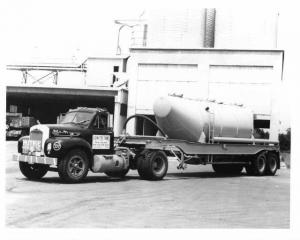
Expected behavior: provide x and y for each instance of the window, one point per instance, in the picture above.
(116, 68)
(100, 121)
(77, 118)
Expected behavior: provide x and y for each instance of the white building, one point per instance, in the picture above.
(236, 76)
(228, 56)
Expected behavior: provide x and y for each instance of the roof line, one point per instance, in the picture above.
(205, 49)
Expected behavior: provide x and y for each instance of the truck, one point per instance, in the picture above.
(18, 125)
(191, 131)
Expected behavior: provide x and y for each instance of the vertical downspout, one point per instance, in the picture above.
(209, 27)
(145, 33)
(276, 30)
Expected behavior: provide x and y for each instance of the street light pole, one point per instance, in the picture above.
(118, 52)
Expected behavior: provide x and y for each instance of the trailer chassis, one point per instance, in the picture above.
(207, 153)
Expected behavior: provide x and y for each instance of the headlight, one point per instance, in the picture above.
(49, 146)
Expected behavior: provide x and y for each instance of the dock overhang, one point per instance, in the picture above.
(56, 92)
(46, 103)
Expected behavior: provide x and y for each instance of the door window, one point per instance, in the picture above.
(100, 121)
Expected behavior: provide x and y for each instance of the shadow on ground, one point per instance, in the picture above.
(169, 177)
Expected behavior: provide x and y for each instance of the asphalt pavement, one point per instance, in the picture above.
(193, 198)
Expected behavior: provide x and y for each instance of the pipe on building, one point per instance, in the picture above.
(209, 31)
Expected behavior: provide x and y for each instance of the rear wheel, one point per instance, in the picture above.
(74, 166)
(258, 165)
(33, 171)
(271, 166)
(227, 168)
(152, 165)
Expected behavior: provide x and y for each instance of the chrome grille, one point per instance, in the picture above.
(36, 135)
(34, 143)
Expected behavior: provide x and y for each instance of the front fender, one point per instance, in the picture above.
(60, 146)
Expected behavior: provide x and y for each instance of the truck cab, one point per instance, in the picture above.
(89, 125)
(70, 146)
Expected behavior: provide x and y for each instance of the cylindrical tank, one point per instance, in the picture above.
(196, 121)
(108, 163)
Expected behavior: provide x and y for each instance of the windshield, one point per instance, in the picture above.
(83, 118)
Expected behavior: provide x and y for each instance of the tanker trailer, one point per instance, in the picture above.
(205, 132)
(203, 121)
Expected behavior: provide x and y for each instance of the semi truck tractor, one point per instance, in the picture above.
(191, 131)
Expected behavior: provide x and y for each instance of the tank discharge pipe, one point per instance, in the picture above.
(146, 118)
(244, 140)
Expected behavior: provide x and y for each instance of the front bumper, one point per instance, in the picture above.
(34, 159)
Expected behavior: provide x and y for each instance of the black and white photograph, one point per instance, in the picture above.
(148, 117)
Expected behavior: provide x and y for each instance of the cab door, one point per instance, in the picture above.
(102, 137)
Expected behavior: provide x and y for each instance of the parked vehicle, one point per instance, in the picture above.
(193, 133)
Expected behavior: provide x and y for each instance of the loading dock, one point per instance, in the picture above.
(47, 103)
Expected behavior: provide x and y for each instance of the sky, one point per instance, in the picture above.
(62, 29)
(73, 30)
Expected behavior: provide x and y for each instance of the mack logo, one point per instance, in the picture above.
(56, 146)
(60, 132)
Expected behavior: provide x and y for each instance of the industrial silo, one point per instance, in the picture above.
(246, 29)
(171, 29)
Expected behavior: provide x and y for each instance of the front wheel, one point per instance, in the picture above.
(74, 166)
(152, 165)
(33, 171)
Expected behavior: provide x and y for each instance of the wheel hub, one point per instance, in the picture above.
(76, 166)
(158, 165)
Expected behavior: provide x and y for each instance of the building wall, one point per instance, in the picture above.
(207, 27)
(176, 28)
(231, 76)
(100, 71)
(171, 28)
(243, 28)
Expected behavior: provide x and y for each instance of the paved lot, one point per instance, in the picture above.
(195, 198)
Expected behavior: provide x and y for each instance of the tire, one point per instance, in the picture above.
(74, 166)
(33, 171)
(119, 174)
(271, 166)
(152, 165)
(258, 165)
(227, 168)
